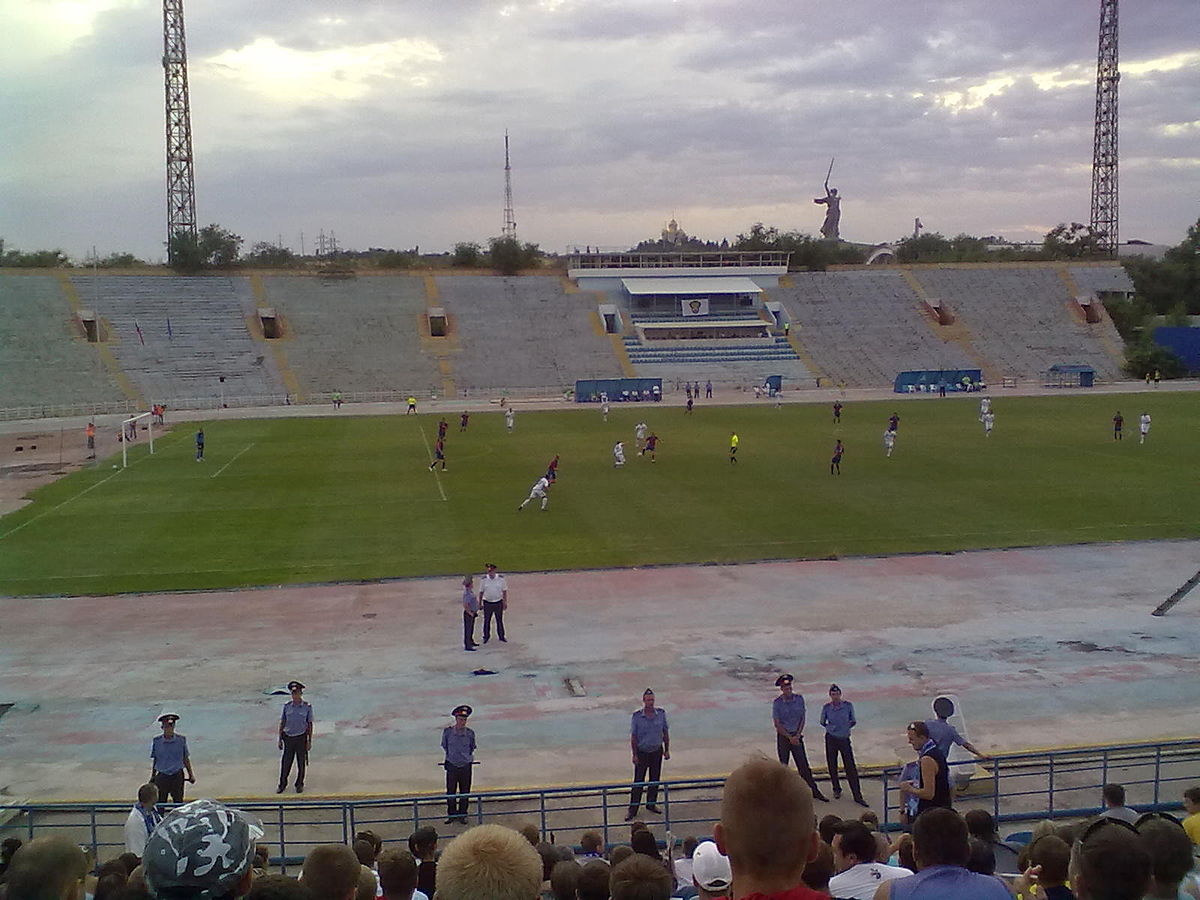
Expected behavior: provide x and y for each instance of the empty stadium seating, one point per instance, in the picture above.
(353, 334)
(863, 327)
(1021, 320)
(524, 332)
(44, 358)
(206, 340)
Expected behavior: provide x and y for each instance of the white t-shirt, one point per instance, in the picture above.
(1145, 420)
(860, 882)
(135, 832)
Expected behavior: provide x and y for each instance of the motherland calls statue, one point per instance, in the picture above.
(833, 209)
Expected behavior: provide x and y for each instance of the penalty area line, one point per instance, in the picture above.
(437, 478)
(61, 505)
(232, 461)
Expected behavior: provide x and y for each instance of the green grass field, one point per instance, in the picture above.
(346, 498)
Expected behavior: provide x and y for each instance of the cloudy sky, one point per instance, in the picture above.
(384, 121)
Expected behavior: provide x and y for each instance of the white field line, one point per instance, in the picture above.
(232, 461)
(61, 505)
(429, 452)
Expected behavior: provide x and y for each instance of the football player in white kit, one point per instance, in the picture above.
(538, 491)
(618, 454)
(985, 407)
(1144, 426)
(989, 419)
(639, 432)
(889, 441)
(510, 414)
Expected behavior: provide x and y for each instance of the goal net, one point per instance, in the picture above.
(129, 434)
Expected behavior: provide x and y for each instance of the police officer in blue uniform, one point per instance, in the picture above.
(295, 737)
(169, 759)
(458, 741)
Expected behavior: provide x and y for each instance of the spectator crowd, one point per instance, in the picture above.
(767, 845)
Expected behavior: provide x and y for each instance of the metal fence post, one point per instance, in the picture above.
(282, 842)
(1050, 785)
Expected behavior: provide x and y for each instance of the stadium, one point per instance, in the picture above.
(215, 484)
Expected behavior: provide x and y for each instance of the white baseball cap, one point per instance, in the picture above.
(710, 868)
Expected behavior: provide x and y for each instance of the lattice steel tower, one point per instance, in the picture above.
(181, 185)
(1105, 220)
(510, 219)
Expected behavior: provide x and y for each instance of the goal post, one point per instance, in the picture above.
(129, 426)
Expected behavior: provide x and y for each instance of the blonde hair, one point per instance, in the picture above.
(766, 819)
(489, 861)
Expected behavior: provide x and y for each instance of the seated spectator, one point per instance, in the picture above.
(564, 879)
(1113, 796)
(980, 858)
(398, 875)
(1051, 856)
(767, 831)
(817, 873)
(858, 873)
(371, 837)
(278, 887)
(489, 861)
(591, 844)
(142, 818)
(365, 851)
(643, 842)
(131, 861)
(711, 873)
(262, 860)
(1191, 805)
(619, 854)
(940, 844)
(640, 878)
(883, 847)
(368, 885)
(904, 853)
(110, 885)
(331, 872)
(980, 824)
(683, 866)
(530, 833)
(1108, 862)
(827, 827)
(181, 861)
(549, 856)
(422, 844)
(593, 880)
(8, 847)
(1170, 852)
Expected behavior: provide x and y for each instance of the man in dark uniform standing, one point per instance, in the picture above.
(169, 760)
(295, 737)
(788, 714)
(458, 742)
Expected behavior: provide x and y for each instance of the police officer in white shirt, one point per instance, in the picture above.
(493, 591)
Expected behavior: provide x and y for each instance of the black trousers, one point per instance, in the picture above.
(493, 610)
(294, 748)
(834, 746)
(648, 763)
(170, 787)
(468, 629)
(786, 748)
(458, 785)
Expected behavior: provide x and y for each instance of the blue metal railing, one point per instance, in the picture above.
(1016, 787)
(1066, 783)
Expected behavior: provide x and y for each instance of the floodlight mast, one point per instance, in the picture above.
(1105, 220)
(181, 186)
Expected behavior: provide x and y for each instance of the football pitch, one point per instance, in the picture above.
(346, 497)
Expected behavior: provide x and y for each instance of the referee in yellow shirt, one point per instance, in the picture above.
(733, 445)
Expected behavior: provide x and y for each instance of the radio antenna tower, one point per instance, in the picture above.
(181, 185)
(1104, 150)
(510, 219)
